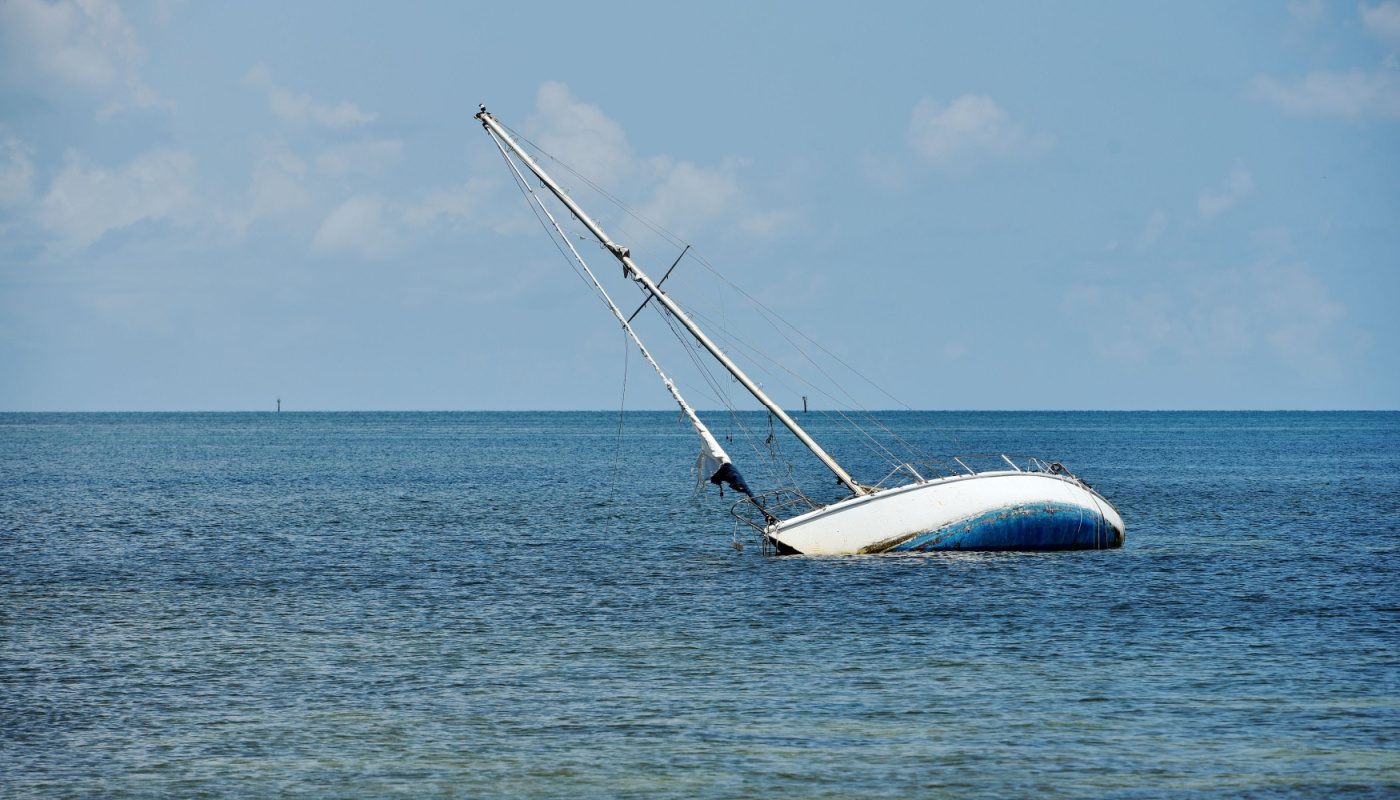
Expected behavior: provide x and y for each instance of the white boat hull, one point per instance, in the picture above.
(987, 511)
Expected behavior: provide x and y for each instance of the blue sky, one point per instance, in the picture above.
(1002, 206)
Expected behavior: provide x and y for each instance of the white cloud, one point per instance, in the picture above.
(1353, 95)
(368, 157)
(581, 135)
(300, 187)
(1237, 186)
(1356, 94)
(356, 227)
(680, 195)
(87, 44)
(84, 203)
(16, 173)
(284, 185)
(1383, 22)
(688, 195)
(300, 109)
(972, 128)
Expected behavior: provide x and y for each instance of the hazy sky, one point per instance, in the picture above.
(1005, 206)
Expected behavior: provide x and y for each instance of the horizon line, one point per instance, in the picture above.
(704, 411)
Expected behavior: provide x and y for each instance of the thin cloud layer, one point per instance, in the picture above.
(1238, 185)
(1383, 22)
(16, 173)
(1279, 307)
(357, 227)
(301, 109)
(454, 205)
(278, 186)
(333, 194)
(1152, 231)
(1307, 12)
(366, 157)
(580, 134)
(1355, 94)
(968, 130)
(87, 46)
(85, 202)
(1351, 95)
(679, 194)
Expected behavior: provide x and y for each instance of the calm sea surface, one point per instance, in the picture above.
(525, 605)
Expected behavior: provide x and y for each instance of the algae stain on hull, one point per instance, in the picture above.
(1033, 527)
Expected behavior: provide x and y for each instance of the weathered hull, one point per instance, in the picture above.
(987, 511)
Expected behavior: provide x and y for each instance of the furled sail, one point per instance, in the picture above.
(713, 464)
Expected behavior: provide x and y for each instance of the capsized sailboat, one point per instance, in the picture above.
(1028, 504)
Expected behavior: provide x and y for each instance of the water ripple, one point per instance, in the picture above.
(452, 605)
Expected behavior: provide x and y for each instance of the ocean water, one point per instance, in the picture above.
(527, 605)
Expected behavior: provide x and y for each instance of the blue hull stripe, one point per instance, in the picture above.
(1039, 526)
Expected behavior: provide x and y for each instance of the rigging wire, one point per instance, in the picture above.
(702, 367)
(719, 395)
(769, 316)
(621, 414)
(651, 225)
(554, 234)
(767, 312)
(774, 320)
(758, 356)
(706, 436)
(676, 240)
(734, 343)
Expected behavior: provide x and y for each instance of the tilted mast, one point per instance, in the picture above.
(631, 270)
(713, 464)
